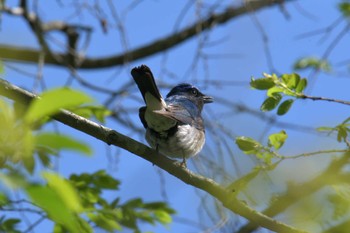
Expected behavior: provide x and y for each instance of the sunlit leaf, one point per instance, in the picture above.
(325, 128)
(274, 90)
(301, 85)
(3, 199)
(277, 139)
(56, 208)
(247, 144)
(313, 63)
(29, 163)
(16, 139)
(262, 83)
(291, 80)
(64, 190)
(104, 181)
(53, 100)
(44, 155)
(271, 102)
(104, 222)
(342, 133)
(163, 216)
(61, 142)
(284, 107)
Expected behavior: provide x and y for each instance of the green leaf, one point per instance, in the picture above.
(16, 139)
(342, 133)
(50, 201)
(271, 102)
(274, 90)
(262, 83)
(64, 190)
(104, 181)
(29, 163)
(277, 139)
(301, 85)
(325, 128)
(44, 155)
(10, 225)
(344, 8)
(163, 217)
(61, 142)
(52, 101)
(247, 144)
(284, 107)
(313, 63)
(3, 199)
(291, 80)
(105, 222)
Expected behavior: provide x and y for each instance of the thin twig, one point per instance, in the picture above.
(303, 96)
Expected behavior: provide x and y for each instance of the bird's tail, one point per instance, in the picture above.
(145, 81)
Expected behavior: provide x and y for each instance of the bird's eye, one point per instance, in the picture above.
(194, 91)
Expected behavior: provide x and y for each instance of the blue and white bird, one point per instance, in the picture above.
(174, 125)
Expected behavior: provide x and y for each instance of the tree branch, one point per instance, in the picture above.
(9, 52)
(314, 98)
(112, 137)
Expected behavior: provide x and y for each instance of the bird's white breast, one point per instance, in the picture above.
(186, 142)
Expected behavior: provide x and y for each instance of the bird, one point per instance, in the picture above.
(174, 125)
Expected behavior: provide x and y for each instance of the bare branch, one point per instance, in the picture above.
(32, 55)
(303, 96)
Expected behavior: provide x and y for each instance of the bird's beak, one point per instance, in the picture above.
(207, 99)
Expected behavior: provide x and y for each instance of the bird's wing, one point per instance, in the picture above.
(142, 112)
(181, 115)
(176, 112)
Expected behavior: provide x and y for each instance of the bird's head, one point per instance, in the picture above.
(192, 93)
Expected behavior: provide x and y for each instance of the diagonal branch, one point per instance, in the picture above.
(32, 55)
(112, 137)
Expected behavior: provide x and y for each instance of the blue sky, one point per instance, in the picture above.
(238, 54)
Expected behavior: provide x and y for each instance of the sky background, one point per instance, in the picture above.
(237, 54)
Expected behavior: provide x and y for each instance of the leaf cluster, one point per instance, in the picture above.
(276, 88)
(264, 153)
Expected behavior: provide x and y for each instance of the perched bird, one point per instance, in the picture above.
(174, 125)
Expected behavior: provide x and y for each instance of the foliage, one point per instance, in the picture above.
(312, 63)
(342, 130)
(75, 204)
(264, 153)
(277, 87)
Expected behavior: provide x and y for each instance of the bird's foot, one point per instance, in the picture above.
(183, 163)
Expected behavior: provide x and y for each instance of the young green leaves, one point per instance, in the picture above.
(51, 102)
(278, 87)
(342, 131)
(265, 153)
(312, 63)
